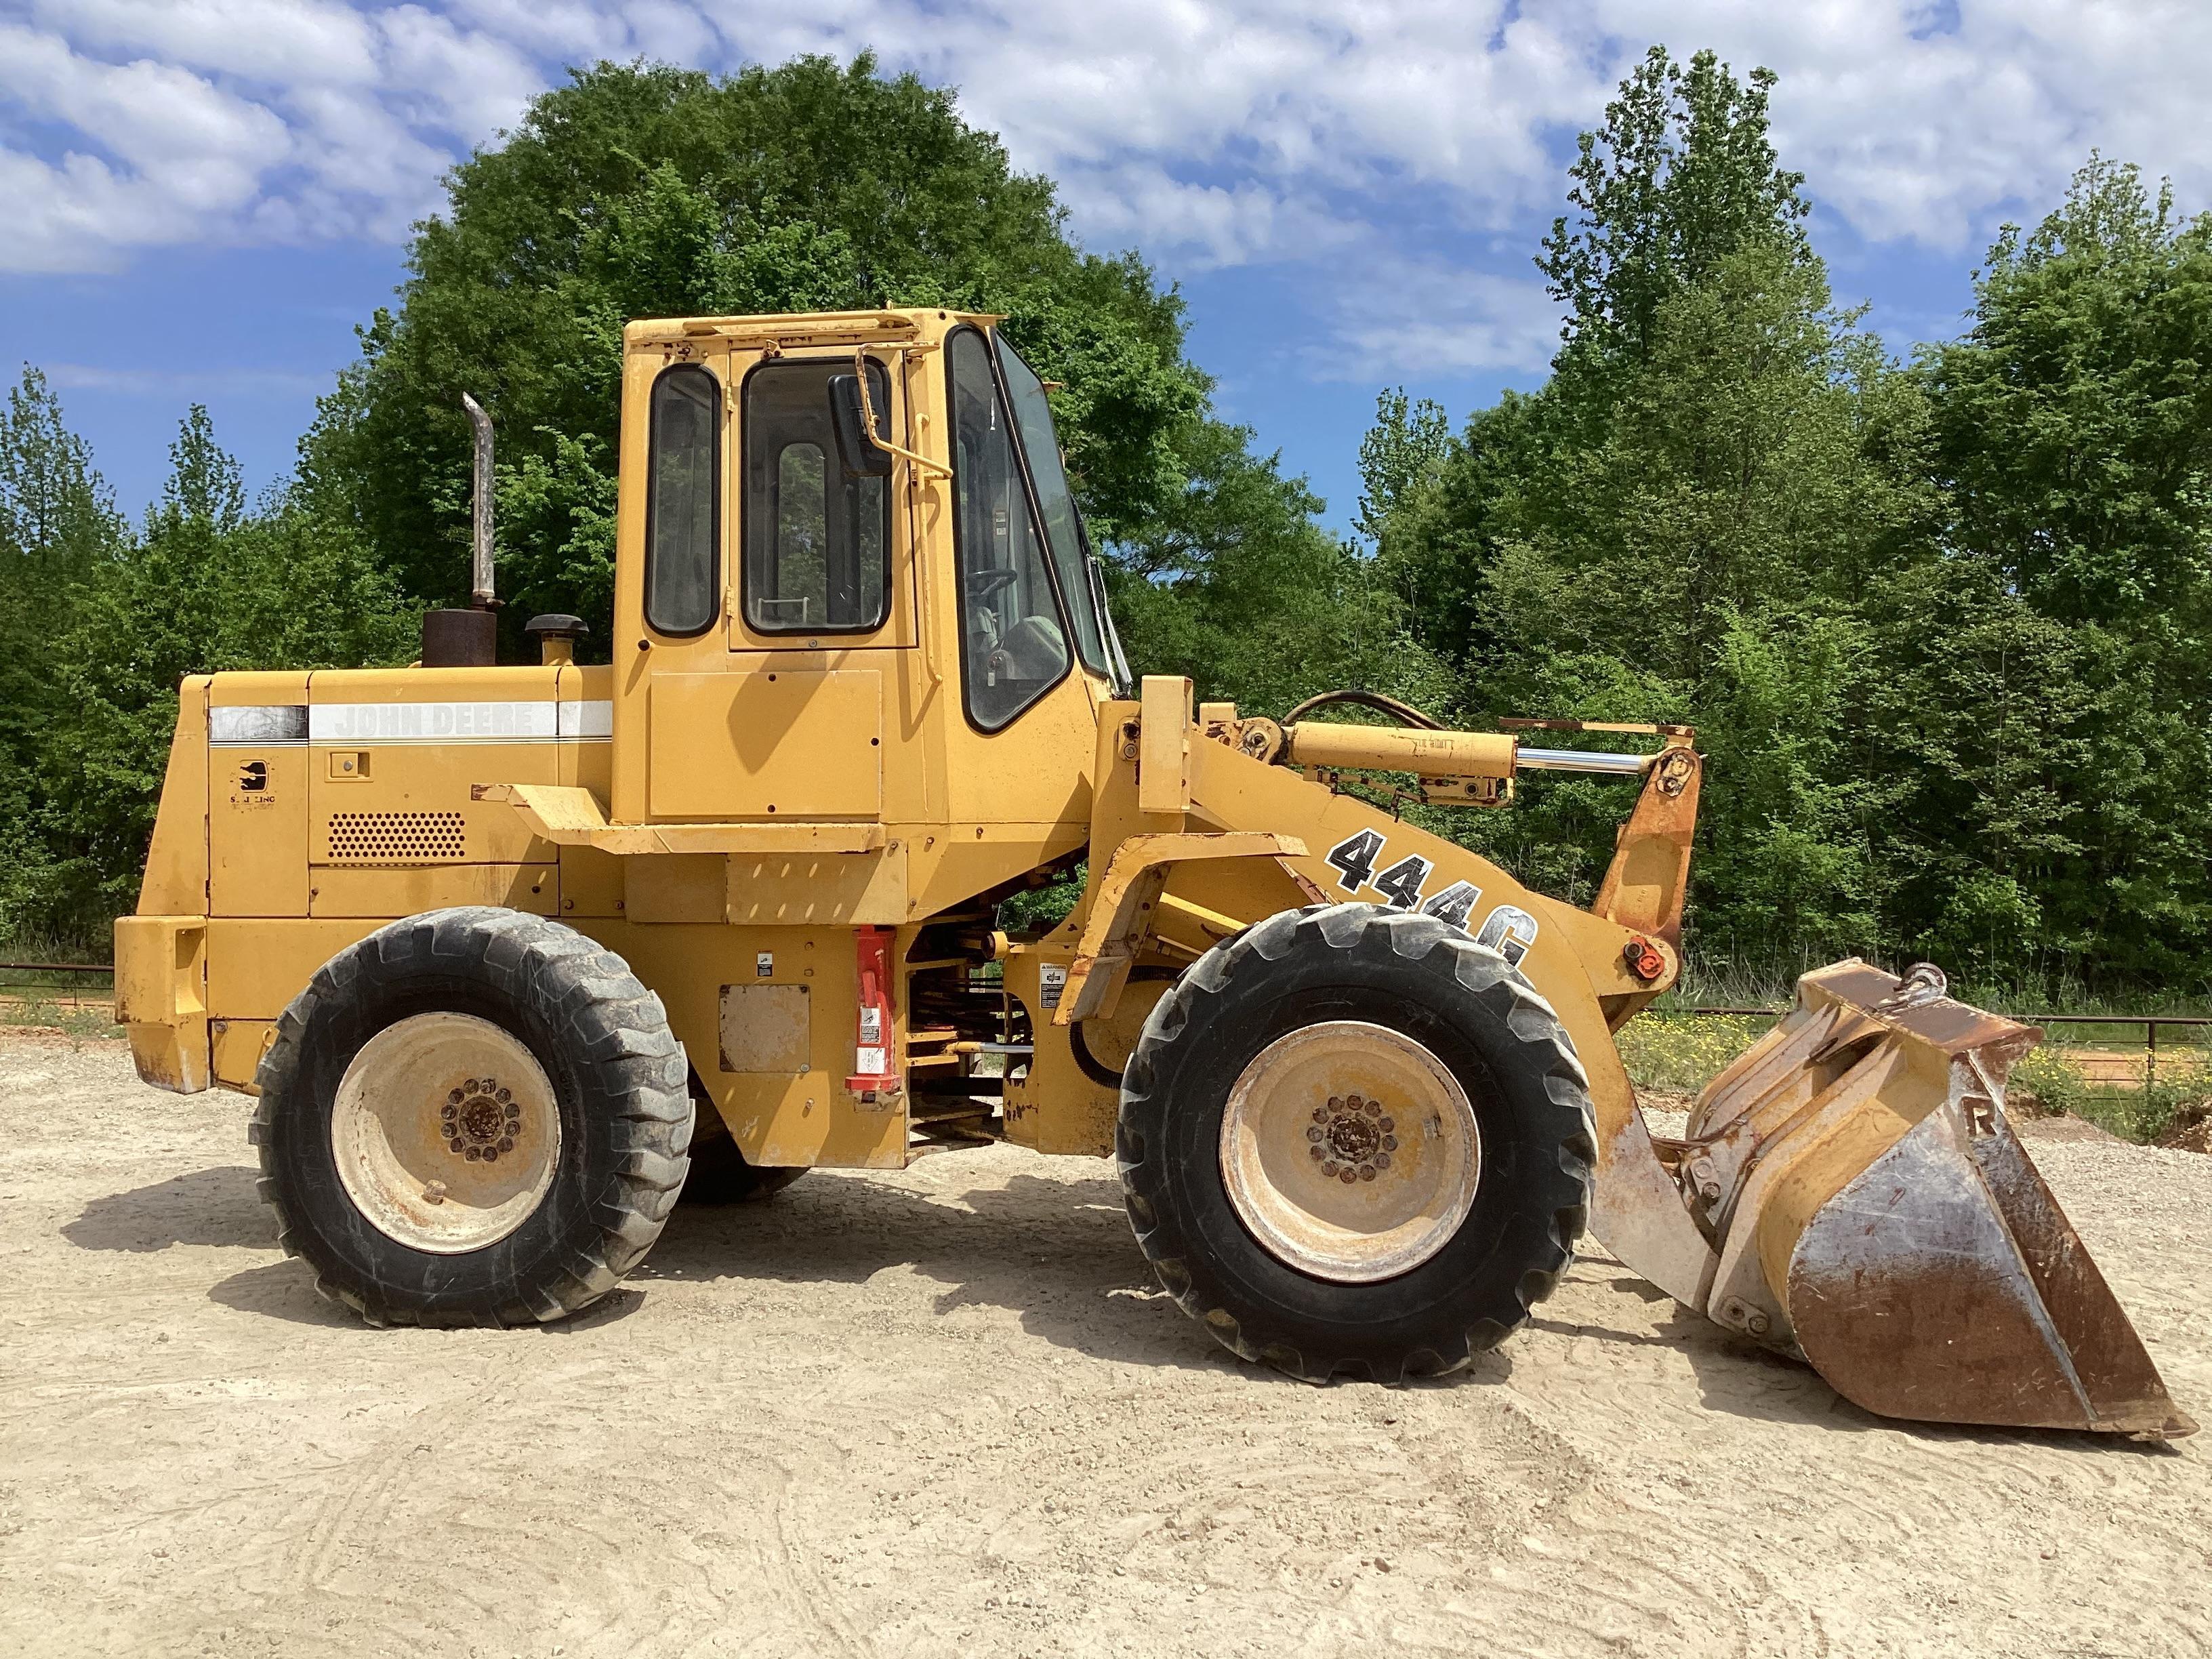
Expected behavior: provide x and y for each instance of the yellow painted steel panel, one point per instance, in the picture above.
(257, 795)
(676, 887)
(767, 1029)
(793, 890)
(256, 968)
(238, 1046)
(777, 743)
(389, 893)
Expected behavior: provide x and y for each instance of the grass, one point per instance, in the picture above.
(1674, 1053)
(43, 1013)
(1668, 1050)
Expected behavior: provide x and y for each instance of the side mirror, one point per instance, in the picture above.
(858, 448)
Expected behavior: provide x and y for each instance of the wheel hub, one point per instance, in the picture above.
(1352, 1138)
(445, 1132)
(1349, 1152)
(480, 1120)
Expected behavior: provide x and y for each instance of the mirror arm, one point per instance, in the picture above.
(868, 423)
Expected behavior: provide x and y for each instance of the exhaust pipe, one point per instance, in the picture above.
(470, 639)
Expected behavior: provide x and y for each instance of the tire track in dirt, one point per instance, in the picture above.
(938, 1413)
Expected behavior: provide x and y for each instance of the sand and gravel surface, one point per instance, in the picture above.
(945, 1412)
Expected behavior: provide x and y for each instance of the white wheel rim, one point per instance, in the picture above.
(446, 1133)
(1349, 1152)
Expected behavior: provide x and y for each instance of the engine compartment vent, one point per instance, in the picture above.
(398, 837)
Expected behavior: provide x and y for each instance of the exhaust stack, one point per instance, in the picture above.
(470, 639)
(481, 514)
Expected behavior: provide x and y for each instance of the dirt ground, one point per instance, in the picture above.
(944, 1412)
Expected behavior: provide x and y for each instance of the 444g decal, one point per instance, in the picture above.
(1359, 862)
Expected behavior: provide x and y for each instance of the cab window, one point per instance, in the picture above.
(683, 512)
(818, 540)
(1063, 528)
(1013, 647)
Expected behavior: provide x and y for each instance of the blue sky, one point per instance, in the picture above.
(199, 199)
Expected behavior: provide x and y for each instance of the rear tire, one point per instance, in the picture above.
(1462, 1048)
(517, 1190)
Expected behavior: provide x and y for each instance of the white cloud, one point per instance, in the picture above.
(1221, 133)
(1432, 322)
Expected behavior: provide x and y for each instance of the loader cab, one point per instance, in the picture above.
(824, 620)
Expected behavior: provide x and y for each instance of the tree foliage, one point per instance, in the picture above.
(645, 190)
(1941, 625)
(204, 584)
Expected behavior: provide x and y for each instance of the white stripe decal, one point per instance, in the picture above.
(270, 725)
(459, 722)
(588, 721)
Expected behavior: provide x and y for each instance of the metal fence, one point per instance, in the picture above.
(73, 974)
(2149, 1024)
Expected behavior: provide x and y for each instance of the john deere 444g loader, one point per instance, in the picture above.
(513, 954)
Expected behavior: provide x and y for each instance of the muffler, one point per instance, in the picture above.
(1871, 1212)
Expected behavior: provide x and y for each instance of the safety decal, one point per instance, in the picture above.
(1052, 979)
(1358, 860)
(1454, 904)
(1510, 931)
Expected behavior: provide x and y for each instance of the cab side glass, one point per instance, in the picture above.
(1013, 647)
(682, 531)
(1063, 528)
(817, 535)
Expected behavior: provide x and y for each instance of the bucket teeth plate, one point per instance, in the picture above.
(1871, 1208)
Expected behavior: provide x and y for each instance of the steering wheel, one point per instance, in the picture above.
(989, 584)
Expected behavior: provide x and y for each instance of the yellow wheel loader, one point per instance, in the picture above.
(512, 956)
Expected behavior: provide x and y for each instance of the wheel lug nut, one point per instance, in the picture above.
(454, 1098)
(447, 1112)
(1316, 1150)
(1367, 1172)
(506, 1143)
(1389, 1143)
(491, 1154)
(1387, 1126)
(1347, 1176)
(1382, 1160)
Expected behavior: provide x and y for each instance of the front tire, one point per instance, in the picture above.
(474, 1116)
(1353, 1140)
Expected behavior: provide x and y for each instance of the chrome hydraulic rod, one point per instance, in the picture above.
(1596, 761)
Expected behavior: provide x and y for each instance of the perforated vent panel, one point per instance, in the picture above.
(398, 837)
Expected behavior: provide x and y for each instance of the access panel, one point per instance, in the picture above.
(770, 743)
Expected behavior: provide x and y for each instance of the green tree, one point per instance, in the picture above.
(1401, 453)
(2055, 648)
(206, 585)
(648, 191)
(58, 526)
(1682, 174)
(1235, 584)
(1677, 526)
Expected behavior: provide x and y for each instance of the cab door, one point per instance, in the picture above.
(790, 722)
